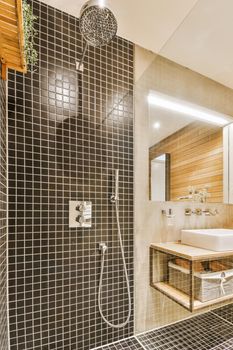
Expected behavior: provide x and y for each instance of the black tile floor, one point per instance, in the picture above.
(226, 312)
(210, 331)
(198, 333)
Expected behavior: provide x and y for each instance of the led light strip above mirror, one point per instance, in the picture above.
(189, 109)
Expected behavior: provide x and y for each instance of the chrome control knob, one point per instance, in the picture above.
(80, 219)
(81, 208)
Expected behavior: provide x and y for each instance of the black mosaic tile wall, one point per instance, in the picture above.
(3, 218)
(67, 133)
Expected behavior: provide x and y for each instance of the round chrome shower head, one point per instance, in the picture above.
(98, 24)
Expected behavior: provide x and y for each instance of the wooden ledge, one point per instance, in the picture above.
(12, 36)
(189, 252)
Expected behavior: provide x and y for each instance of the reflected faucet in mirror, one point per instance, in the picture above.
(196, 195)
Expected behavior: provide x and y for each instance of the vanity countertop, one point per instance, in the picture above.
(189, 252)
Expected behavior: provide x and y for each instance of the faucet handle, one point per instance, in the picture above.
(188, 212)
(81, 207)
(198, 211)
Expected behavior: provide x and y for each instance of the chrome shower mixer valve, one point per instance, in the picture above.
(80, 214)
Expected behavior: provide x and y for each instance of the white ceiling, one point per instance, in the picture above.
(148, 23)
(194, 33)
(204, 42)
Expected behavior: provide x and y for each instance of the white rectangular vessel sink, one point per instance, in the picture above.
(219, 240)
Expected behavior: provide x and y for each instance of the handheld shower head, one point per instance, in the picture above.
(115, 196)
(98, 24)
(103, 248)
(117, 184)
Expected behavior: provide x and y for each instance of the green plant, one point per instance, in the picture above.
(30, 33)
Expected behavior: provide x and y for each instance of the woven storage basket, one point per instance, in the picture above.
(207, 285)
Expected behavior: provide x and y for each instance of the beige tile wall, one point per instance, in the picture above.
(152, 309)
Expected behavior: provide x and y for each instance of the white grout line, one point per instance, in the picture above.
(223, 344)
(119, 341)
(221, 318)
(171, 324)
(7, 218)
(113, 343)
(140, 343)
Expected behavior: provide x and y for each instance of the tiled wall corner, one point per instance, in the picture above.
(3, 218)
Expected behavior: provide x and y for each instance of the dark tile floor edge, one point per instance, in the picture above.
(227, 345)
(130, 342)
(225, 313)
(214, 311)
(206, 331)
(170, 324)
(138, 340)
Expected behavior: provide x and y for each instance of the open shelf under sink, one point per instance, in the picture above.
(184, 299)
(185, 293)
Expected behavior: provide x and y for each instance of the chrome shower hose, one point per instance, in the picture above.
(120, 325)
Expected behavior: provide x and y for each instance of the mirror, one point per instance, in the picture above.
(160, 177)
(189, 149)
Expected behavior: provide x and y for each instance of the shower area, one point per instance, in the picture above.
(70, 127)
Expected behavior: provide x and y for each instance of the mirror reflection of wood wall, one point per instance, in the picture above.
(196, 159)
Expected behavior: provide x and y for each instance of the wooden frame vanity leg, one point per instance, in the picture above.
(151, 272)
(191, 301)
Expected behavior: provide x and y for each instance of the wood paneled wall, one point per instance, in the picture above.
(196, 153)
